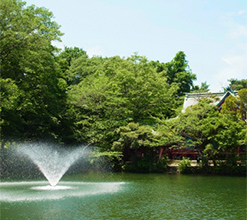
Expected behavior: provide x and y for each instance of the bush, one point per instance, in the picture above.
(184, 164)
(146, 165)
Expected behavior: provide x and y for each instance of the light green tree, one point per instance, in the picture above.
(118, 92)
(213, 132)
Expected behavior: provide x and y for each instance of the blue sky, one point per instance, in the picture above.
(212, 33)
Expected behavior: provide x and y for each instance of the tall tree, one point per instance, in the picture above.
(179, 72)
(121, 91)
(69, 54)
(238, 84)
(28, 59)
(83, 66)
(203, 88)
(10, 122)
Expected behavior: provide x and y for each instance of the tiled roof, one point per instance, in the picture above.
(193, 98)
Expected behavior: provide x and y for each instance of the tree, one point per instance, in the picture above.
(118, 92)
(28, 61)
(81, 67)
(142, 140)
(10, 122)
(179, 72)
(203, 88)
(236, 106)
(242, 103)
(135, 136)
(238, 84)
(212, 131)
(68, 54)
(99, 109)
(26, 36)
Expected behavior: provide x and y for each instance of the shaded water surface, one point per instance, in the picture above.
(127, 196)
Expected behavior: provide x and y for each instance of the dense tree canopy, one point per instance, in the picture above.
(121, 91)
(68, 54)
(29, 63)
(177, 72)
(210, 130)
(111, 102)
(236, 106)
(238, 84)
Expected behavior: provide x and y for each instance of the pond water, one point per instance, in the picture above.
(126, 196)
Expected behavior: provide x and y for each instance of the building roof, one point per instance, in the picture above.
(193, 98)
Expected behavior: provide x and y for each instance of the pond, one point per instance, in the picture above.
(126, 196)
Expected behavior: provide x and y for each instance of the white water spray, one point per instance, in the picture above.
(52, 161)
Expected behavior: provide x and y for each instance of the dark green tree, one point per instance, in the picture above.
(179, 72)
(142, 140)
(238, 84)
(10, 122)
(68, 54)
(28, 61)
(204, 87)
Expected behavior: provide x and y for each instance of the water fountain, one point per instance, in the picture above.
(53, 162)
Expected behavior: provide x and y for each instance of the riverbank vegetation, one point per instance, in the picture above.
(113, 103)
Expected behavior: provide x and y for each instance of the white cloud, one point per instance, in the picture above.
(242, 12)
(235, 65)
(232, 66)
(234, 60)
(238, 31)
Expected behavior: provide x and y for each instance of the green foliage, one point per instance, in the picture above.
(116, 92)
(10, 121)
(238, 84)
(210, 151)
(28, 60)
(230, 133)
(177, 72)
(144, 139)
(83, 67)
(184, 164)
(242, 103)
(236, 107)
(105, 160)
(26, 36)
(234, 111)
(168, 134)
(203, 88)
(199, 122)
(68, 55)
(210, 130)
(146, 164)
(135, 136)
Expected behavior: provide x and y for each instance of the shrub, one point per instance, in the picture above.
(184, 164)
(146, 165)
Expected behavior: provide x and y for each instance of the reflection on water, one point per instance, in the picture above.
(128, 196)
(51, 188)
(33, 191)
